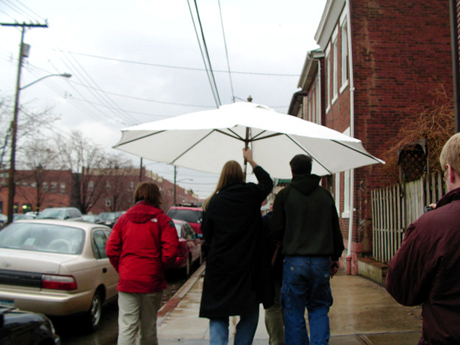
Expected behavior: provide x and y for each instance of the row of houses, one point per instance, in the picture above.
(37, 190)
(379, 62)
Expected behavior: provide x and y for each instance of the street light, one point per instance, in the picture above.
(14, 129)
(175, 184)
(65, 75)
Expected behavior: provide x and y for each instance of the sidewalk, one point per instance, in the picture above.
(362, 313)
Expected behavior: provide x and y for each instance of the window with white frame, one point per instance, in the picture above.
(318, 99)
(346, 195)
(327, 61)
(344, 53)
(91, 185)
(63, 187)
(335, 67)
(337, 192)
(313, 104)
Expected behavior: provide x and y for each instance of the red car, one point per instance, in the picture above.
(189, 214)
(189, 247)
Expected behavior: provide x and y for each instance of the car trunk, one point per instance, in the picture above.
(23, 269)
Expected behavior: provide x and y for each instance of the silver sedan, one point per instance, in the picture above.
(57, 268)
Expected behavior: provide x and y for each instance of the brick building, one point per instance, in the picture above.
(377, 61)
(41, 189)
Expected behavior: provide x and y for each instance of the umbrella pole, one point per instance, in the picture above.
(246, 145)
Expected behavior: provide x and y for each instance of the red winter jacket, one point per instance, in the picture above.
(142, 242)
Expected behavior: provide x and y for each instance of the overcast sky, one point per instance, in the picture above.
(139, 61)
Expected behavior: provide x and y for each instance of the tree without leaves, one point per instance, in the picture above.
(30, 125)
(432, 122)
(89, 167)
(121, 182)
(39, 158)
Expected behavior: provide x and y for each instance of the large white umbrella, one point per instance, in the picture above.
(206, 140)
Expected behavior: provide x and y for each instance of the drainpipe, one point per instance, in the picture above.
(455, 66)
(352, 134)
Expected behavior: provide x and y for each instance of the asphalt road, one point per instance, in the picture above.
(71, 333)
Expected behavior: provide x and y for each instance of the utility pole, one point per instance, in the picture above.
(14, 125)
(175, 187)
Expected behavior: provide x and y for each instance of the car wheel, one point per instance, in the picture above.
(93, 317)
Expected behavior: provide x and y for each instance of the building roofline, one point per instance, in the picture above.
(329, 19)
(309, 68)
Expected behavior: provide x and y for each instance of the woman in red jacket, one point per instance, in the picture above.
(143, 241)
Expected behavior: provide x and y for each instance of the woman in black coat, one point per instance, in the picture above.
(232, 229)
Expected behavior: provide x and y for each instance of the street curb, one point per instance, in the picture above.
(166, 309)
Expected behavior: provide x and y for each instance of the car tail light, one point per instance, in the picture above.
(58, 282)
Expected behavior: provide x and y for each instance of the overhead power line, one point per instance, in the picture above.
(173, 67)
(207, 54)
(213, 89)
(226, 52)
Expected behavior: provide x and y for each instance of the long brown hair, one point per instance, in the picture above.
(231, 173)
(149, 192)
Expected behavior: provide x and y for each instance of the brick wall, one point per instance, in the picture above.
(401, 52)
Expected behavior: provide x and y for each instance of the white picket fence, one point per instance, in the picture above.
(394, 208)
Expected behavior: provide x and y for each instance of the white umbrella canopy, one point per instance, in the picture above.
(206, 140)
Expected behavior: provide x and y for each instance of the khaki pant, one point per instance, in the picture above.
(138, 315)
(274, 319)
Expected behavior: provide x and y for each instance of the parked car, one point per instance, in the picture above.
(110, 218)
(189, 251)
(3, 220)
(57, 268)
(91, 218)
(21, 216)
(189, 214)
(32, 214)
(23, 327)
(64, 213)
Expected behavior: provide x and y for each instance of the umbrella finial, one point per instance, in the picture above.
(249, 98)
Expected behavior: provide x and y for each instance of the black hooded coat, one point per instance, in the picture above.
(236, 272)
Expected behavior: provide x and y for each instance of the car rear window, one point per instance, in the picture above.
(51, 214)
(190, 216)
(43, 238)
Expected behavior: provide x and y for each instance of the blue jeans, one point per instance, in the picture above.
(306, 285)
(245, 329)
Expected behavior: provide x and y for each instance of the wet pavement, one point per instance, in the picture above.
(362, 313)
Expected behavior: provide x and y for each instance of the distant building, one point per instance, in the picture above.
(40, 189)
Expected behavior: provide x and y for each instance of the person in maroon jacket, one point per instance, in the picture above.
(142, 243)
(425, 270)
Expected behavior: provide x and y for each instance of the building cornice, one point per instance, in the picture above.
(329, 20)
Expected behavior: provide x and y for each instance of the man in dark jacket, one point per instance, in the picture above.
(306, 220)
(426, 267)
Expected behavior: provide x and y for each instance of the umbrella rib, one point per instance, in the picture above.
(255, 138)
(359, 151)
(235, 136)
(307, 152)
(266, 137)
(191, 147)
(139, 138)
